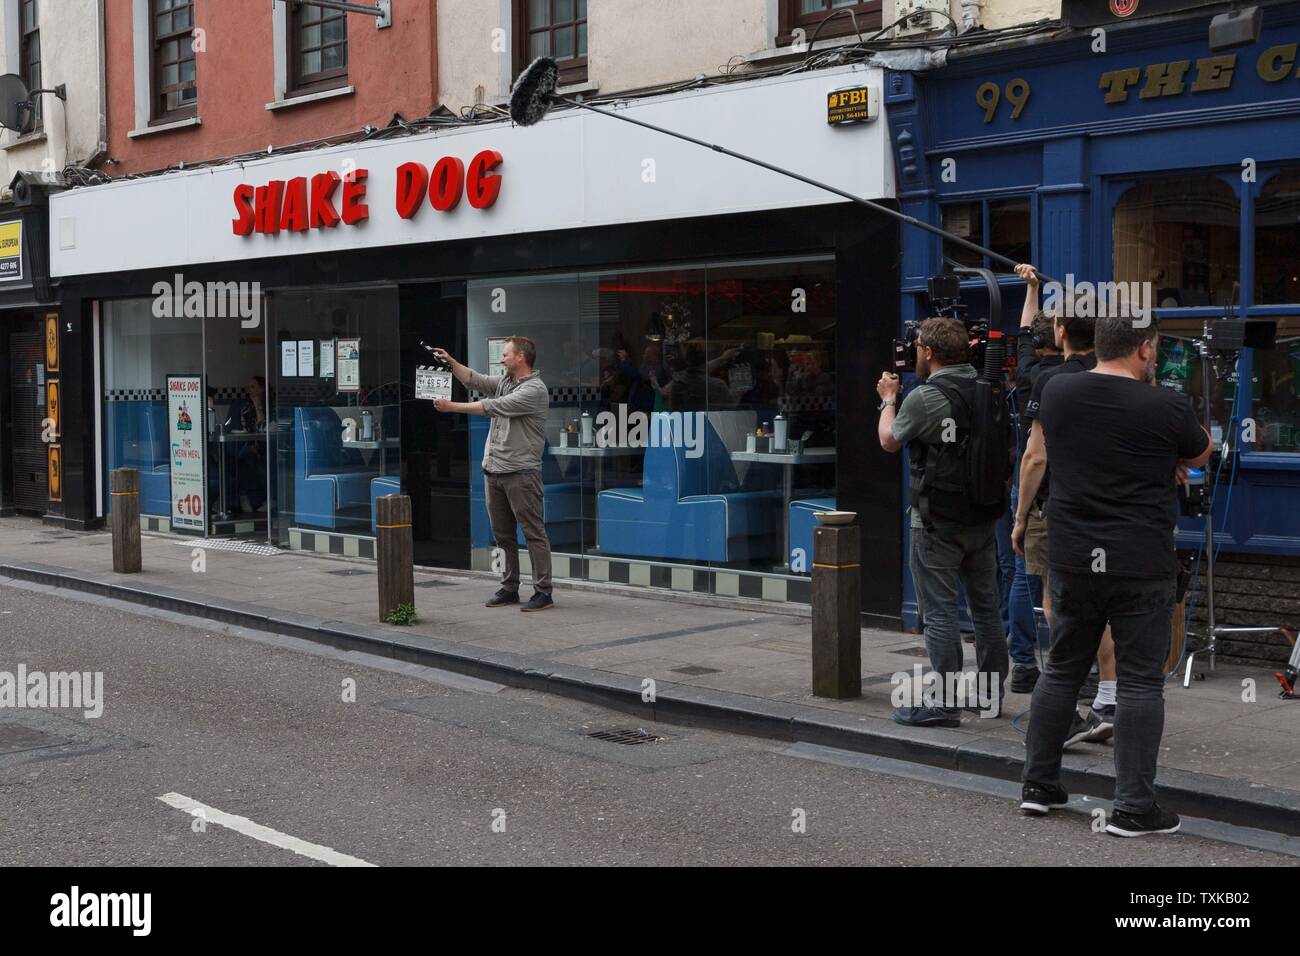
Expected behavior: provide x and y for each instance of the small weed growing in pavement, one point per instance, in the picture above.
(403, 614)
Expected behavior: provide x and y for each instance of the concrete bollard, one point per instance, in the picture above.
(124, 488)
(836, 606)
(394, 553)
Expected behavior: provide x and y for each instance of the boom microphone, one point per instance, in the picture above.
(534, 93)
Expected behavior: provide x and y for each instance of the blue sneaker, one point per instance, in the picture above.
(927, 717)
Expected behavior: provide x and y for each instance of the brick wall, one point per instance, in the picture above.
(1251, 591)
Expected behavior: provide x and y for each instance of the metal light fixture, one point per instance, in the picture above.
(1236, 28)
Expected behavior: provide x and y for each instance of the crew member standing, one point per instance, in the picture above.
(517, 403)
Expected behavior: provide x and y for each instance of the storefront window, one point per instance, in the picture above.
(660, 382)
(335, 403)
(1182, 235)
(139, 351)
(1275, 390)
(1277, 240)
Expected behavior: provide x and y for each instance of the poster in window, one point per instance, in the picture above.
(347, 361)
(306, 358)
(11, 250)
(288, 359)
(326, 358)
(496, 350)
(185, 432)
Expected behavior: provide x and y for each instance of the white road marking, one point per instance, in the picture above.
(258, 832)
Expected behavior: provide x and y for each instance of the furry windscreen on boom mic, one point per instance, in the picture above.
(530, 97)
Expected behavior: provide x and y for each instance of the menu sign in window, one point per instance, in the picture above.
(185, 407)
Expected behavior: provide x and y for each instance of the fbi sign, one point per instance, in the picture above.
(852, 104)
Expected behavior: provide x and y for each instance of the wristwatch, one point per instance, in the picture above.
(887, 401)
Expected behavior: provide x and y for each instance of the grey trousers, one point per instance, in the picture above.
(514, 500)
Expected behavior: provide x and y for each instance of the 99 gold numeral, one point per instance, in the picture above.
(988, 95)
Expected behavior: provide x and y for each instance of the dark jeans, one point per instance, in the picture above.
(1026, 593)
(1139, 612)
(941, 559)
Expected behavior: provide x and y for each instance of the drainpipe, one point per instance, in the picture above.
(970, 14)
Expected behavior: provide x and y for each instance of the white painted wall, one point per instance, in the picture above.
(70, 54)
(574, 169)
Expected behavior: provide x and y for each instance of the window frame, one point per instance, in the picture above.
(300, 84)
(986, 223)
(573, 70)
(158, 114)
(25, 40)
(869, 13)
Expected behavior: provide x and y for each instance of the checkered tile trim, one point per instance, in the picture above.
(158, 394)
(785, 589)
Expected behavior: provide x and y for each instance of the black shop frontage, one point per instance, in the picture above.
(281, 344)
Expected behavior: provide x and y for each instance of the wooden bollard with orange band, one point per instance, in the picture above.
(124, 506)
(836, 606)
(394, 553)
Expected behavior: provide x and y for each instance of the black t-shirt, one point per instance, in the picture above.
(1114, 444)
(1075, 363)
(1029, 365)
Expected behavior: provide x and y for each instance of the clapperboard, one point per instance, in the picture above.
(431, 383)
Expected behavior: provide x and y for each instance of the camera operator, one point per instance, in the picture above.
(1073, 331)
(949, 544)
(1036, 351)
(1118, 446)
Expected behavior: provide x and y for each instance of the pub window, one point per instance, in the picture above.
(554, 28)
(1183, 236)
(318, 47)
(1275, 390)
(176, 94)
(1277, 240)
(808, 16)
(30, 53)
(1009, 231)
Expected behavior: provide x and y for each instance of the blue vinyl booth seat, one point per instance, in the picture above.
(331, 484)
(381, 487)
(802, 524)
(561, 499)
(140, 441)
(690, 509)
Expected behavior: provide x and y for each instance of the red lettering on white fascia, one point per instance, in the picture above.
(297, 205)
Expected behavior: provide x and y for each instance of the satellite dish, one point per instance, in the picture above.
(16, 111)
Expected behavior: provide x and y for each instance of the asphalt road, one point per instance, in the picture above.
(423, 769)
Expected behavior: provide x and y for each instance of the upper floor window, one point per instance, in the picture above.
(176, 94)
(318, 47)
(29, 54)
(554, 28)
(808, 15)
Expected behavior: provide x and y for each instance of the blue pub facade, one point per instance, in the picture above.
(1132, 152)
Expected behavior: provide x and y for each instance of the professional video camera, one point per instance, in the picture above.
(988, 351)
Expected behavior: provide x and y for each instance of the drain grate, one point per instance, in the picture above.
(695, 670)
(626, 735)
(349, 572)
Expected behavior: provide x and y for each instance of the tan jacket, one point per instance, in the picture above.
(518, 412)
